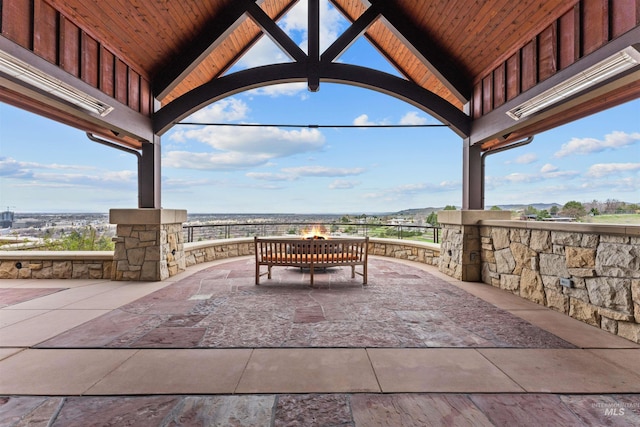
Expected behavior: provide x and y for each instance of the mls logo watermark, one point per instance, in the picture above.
(612, 412)
(618, 409)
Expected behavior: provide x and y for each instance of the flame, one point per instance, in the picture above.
(315, 232)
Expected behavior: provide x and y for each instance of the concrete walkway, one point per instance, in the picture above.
(422, 353)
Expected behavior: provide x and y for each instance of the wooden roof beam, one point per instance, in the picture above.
(347, 38)
(212, 35)
(430, 54)
(276, 34)
(331, 72)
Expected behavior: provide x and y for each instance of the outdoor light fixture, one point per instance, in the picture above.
(613, 65)
(28, 74)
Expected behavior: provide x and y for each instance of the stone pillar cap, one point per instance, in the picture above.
(147, 216)
(471, 217)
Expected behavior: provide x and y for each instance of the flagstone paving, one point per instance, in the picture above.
(309, 410)
(221, 307)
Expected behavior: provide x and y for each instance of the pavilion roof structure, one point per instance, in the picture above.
(470, 62)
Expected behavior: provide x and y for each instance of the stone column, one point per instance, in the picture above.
(460, 250)
(149, 243)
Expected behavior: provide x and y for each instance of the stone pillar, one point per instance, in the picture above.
(460, 248)
(149, 243)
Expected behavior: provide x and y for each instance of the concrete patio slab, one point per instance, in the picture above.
(175, 371)
(50, 283)
(69, 296)
(57, 372)
(117, 297)
(627, 359)
(9, 317)
(7, 352)
(438, 370)
(574, 331)
(35, 330)
(308, 371)
(563, 371)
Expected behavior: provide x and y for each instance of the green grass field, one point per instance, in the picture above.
(613, 219)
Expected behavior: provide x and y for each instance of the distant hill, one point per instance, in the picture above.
(419, 211)
(519, 207)
(513, 207)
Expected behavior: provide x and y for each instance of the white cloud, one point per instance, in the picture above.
(331, 23)
(343, 184)
(270, 176)
(408, 190)
(285, 89)
(323, 171)
(611, 141)
(526, 159)
(213, 161)
(550, 171)
(604, 169)
(264, 52)
(412, 118)
(362, 120)
(517, 177)
(239, 148)
(49, 175)
(295, 173)
(225, 110)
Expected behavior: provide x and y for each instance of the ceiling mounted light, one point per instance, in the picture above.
(28, 74)
(613, 65)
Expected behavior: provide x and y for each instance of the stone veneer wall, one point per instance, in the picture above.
(212, 250)
(55, 265)
(603, 263)
(197, 253)
(426, 253)
(148, 252)
(149, 243)
(98, 265)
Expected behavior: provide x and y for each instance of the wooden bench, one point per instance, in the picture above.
(311, 254)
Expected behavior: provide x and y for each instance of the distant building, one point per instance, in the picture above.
(6, 219)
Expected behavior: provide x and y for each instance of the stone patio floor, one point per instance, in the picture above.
(208, 347)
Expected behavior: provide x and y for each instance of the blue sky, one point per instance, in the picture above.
(46, 166)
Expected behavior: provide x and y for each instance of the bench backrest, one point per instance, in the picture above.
(308, 250)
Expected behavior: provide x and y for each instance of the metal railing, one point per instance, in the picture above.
(199, 232)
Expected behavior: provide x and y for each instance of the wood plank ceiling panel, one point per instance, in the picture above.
(146, 34)
(228, 52)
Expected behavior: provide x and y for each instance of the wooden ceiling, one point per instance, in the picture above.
(151, 34)
(461, 50)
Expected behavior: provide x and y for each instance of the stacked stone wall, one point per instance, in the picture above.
(201, 252)
(148, 252)
(460, 253)
(603, 270)
(404, 249)
(27, 265)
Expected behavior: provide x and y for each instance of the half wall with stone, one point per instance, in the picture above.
(589, 272)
